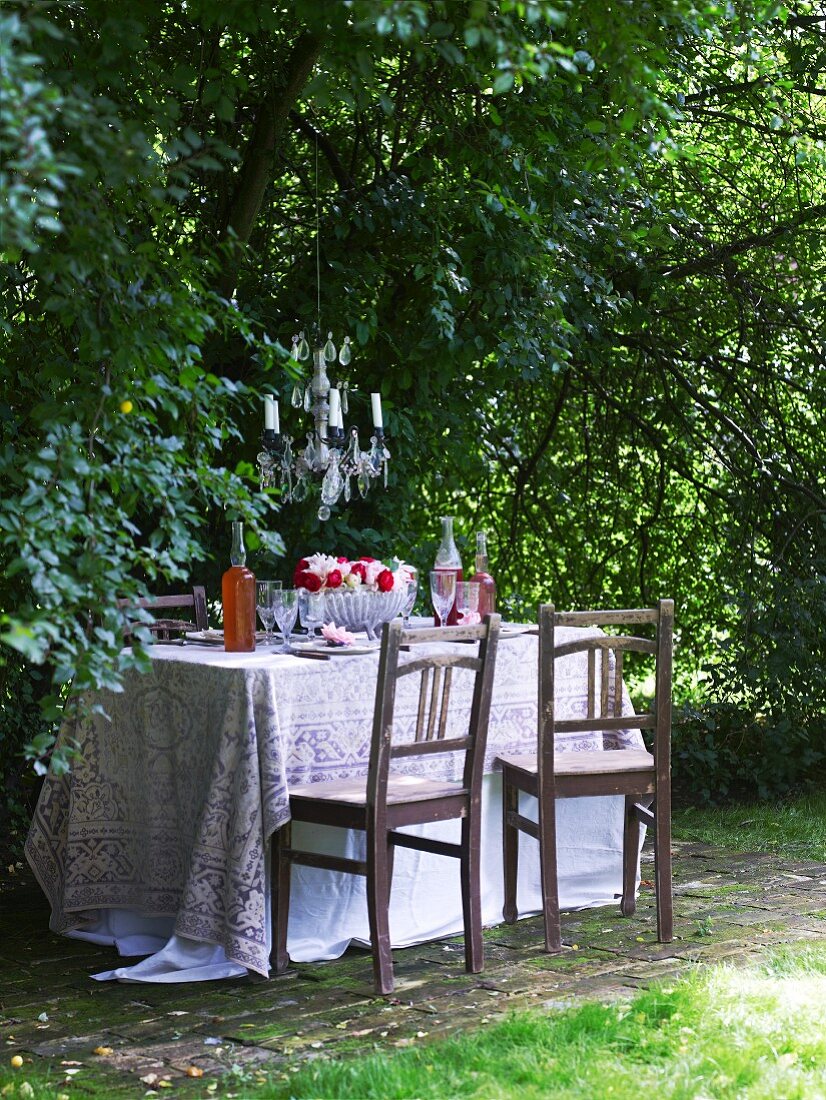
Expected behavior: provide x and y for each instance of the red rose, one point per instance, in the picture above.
(385, 580)
(341, 561)
(358, 570)
(302, 564)
(310, 581)
(365, 558)
(334, 578)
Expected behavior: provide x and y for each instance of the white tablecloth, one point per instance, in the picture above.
(158, 838)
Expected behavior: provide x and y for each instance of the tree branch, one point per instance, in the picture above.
(270, 122)
(718, 256)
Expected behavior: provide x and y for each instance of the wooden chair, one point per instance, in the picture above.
(383, 801)
(164, 629)
(634, 773)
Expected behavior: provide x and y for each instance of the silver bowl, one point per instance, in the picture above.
(357, 609)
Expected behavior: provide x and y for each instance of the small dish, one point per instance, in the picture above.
(334, 650)
(214, 636)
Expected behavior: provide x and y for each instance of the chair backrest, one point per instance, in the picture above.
(605, 694)
(436, 673)
(162, 626)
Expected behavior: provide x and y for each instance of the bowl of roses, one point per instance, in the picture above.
(360, 593)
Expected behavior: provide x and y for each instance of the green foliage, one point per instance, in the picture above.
(578, 249)
(111, 450)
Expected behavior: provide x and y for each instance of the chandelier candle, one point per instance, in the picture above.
(271, 417)
(335, 420)
(375, 399)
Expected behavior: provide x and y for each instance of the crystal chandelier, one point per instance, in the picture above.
(332, 454)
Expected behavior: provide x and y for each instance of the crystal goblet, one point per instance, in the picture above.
(311, 611)
(443, 592)
(467, 602)
(286, 610)
(265, 604)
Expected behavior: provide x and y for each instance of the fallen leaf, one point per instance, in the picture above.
(69, 1062)
(43, 1017)
(103, 1051)
(177, 1012)
(149, 1078)
(165, 1083)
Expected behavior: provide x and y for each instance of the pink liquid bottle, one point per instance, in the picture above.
(487, 585)
(448, 561)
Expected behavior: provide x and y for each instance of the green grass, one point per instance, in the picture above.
(794, 828)
(721, 1032)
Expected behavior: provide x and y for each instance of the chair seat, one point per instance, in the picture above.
(609, 762)
(400, 789)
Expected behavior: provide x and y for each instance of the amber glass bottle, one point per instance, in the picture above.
(238, 595)
(487, 585)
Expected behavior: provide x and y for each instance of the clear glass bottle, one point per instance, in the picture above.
(487, 585)
(448, 560)
(238, 595)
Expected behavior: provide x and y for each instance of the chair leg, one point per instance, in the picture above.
(550, 884)
(662, 866)
(630, 856)
(378, 901)
(510, 847)
(471, 899)
(281, 873)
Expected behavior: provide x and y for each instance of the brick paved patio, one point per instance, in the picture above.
(727, 907)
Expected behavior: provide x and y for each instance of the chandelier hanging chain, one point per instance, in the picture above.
(317, 243)
(331, 454)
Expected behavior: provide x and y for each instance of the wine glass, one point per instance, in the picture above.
(265, 603)
(311, 611)
(467, 602)
(286, 610)
(443, 592)
(410, 599)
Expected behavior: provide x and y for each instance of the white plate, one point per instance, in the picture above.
(217, 636)
(334, 650)
(206, 636)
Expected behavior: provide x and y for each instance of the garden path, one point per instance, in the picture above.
(728, 906)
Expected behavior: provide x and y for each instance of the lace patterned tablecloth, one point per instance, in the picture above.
(169, 809)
